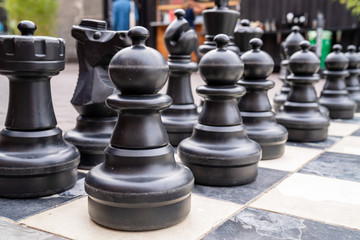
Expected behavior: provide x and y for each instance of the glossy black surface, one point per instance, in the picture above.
(219, 152)
(255, 106)
(180, 118)
(335, 96)
(301, 113)
(95, 47)
(34, 159)
(139, 186)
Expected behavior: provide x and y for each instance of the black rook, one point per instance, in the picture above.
(34, 159)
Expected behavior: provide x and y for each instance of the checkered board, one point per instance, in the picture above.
(312, 192)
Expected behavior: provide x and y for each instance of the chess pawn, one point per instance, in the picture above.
(335, 96)
(180, 118)
(255, 106)
(95, 47)
(288, 48)
(217, 20)
(139, 186)
(34, 159)
(352, 81)
(219, 152)
(301, 114)
(243, 35)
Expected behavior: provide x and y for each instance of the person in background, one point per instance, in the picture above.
(124, 15)
(192, 9)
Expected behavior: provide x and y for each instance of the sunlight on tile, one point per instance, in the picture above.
(293, 158)
(348, 144)
(324, 199)
(342, 129)
(72, 221)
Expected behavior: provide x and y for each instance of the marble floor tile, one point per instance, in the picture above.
(293, 158)
(335, 165)
(245, 193)
(72, 221)
(348, 144)
(257, 224)
(328, 200)
(13, 231)
(342, 129)
(319, 145)
(21, 208)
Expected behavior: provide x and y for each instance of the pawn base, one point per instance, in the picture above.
(307, 135)
(91, 136)
(228, 158)
(130, 217)
(273, 147)
(35, 164)
(135, 196)
(339, 108)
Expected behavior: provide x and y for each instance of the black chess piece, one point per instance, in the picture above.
(95, 47)
(139, 186)
(180, 118)
(219, 152)
(301, 113)
(335, 96)
(352, 81)
(34, 159)
(288, 47)
(217, 20)
(255, 107)
(243, 35)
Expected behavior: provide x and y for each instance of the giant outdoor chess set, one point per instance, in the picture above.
(307, 188)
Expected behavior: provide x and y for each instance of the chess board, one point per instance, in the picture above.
(312, 192)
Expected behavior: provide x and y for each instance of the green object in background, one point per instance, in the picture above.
(42, 12)
(326, 44)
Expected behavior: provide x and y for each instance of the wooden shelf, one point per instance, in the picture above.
(167, 7)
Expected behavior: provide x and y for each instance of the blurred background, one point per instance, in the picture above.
(338, 20)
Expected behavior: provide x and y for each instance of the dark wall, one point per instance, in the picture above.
(337, 19)
(336, 15)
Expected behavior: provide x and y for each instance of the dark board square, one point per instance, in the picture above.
(17, 209)
(319, 145)
(245, 193)
(335, 165)
(257, 224)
